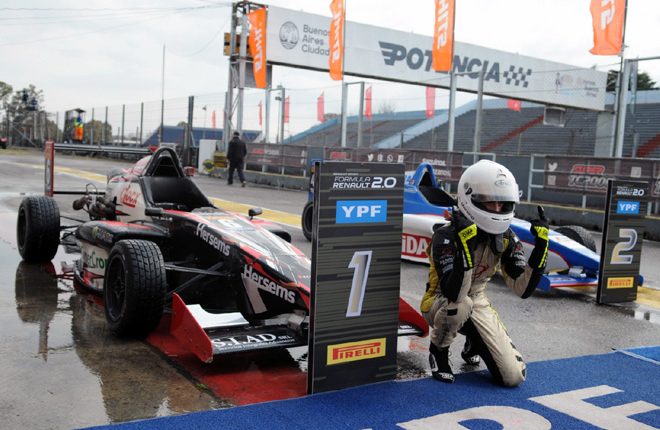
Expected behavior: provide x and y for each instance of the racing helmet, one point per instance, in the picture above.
(488, 181)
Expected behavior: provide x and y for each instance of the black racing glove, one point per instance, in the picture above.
(539, 230)
(466, 238)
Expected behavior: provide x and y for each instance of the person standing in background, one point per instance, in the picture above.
(236, 155)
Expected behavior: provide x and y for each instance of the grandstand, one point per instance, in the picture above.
(504, 131)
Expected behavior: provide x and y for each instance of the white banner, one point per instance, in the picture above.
(300, 39)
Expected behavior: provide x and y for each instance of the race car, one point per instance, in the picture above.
(572, 258)
(154, 243)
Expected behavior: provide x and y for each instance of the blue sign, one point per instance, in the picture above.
(361, 211)
(627, 207)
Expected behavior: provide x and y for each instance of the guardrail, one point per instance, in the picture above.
(73, 147)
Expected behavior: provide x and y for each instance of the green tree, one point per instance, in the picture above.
(644, 81)
(24, 120)
(97, 127)
(5, 91)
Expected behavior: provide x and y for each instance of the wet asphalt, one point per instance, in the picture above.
(61, 368)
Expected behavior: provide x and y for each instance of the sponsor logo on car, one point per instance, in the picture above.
(102, 235)
(210, 238)
(361, 211)
(265, 284)
(94, 261)
(130, 197)
(355, 351)
(243, 342)
(413, 245)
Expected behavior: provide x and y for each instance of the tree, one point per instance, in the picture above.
(386, 107)
(5, 91)
(644, 81)
(23, 119)
(97, 127)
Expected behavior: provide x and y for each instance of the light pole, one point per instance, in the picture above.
(204, 129)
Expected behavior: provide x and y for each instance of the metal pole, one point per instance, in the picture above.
(619, 83)
(476, 146)
(91, 133)
(123, 112)
(282, 106)
(187, 143)
(162, 102)
(452, 105)
(621, 112)
(229, 96)
(57, 126)
(141, 122)
(241, 71)
(105, 125)
(360, 115)
(267, 115)
(344, 93)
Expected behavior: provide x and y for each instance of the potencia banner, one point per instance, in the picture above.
(257, 45)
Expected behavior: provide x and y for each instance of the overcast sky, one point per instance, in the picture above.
(96, 53)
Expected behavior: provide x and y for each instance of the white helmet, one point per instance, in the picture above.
(488, 181)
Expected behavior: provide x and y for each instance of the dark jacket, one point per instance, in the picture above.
(237, 150)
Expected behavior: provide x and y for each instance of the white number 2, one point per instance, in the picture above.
(630, 234)
(360, 262)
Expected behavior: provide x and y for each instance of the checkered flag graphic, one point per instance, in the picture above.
(517, 76)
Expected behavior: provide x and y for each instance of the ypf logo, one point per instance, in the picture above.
(361, 211)
(289, 35)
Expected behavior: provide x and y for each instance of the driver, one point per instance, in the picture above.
(463, 256)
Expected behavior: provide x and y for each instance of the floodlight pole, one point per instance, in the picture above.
(360, 115)
(452, 105)
(344, 114)
(476, 146)
(344, 94)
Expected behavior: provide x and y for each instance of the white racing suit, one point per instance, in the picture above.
(456, 298)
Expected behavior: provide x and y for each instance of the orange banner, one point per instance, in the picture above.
(367, 103)
(607, 19)
(336, 36)
(257, 44)
(430, 102)
(443, 35)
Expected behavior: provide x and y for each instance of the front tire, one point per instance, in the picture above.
(134, 288)
(38, 229)
(308, 220)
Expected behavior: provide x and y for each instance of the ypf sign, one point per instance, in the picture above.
(622, 241)
(356, 250)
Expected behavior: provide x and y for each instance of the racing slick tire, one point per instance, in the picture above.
(307, 220)
(579, 234)
(38, 229)
(134, 288)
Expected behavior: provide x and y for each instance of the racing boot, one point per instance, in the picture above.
(469, 354)
(440, 367)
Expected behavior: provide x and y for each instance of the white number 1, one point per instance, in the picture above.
(360, 263)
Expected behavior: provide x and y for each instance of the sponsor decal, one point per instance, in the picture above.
(360, 211)
(130, 197)
(245, 341)
(614, 283)
(102, 235)
(414, 246)
(265, 284)
(627, 207)
(416, 58)
(210, 238)
(94, 261)
(587, 176)
(355, 351)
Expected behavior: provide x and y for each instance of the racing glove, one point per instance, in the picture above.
(466, 238)
(539, 229)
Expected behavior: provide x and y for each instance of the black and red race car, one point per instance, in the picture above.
(154, 243)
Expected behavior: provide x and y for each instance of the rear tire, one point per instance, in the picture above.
(38, 229)
(134, 288)
(308, 220)
(579, 234)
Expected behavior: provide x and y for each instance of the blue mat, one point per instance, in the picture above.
(615, 390)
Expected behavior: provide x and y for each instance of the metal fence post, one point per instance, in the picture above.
(123, 112)
(529, 180)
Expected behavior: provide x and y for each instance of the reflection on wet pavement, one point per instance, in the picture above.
(61, 368)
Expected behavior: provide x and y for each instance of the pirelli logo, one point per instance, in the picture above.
(614, 283)
(354, 351)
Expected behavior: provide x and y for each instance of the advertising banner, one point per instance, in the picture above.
(623, 230)
(356, 250)
(300, 39)
(590, 175)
